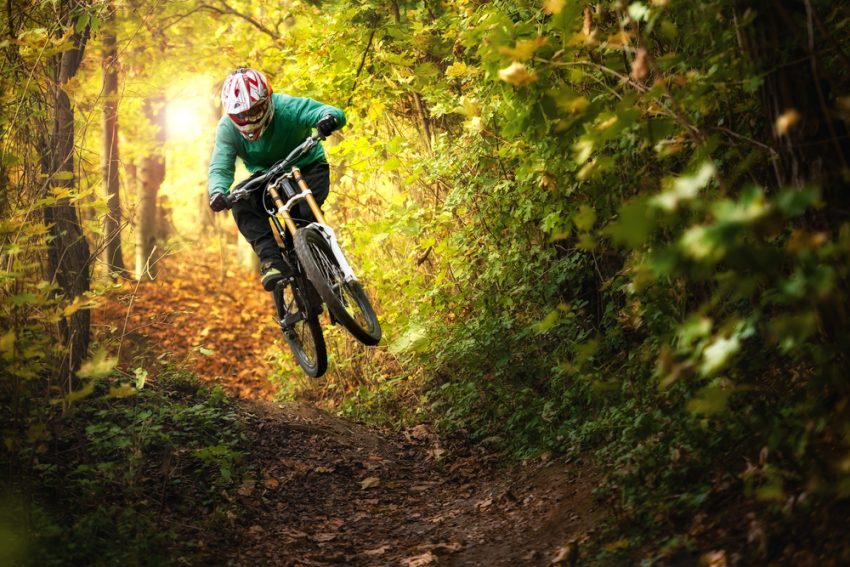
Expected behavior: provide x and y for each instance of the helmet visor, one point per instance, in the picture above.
(252, 115)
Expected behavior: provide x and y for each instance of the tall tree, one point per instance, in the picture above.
(68, 258)
(112, 222)
(789, 43)
(151, 173)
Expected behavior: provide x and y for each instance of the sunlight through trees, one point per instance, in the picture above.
(613, 231)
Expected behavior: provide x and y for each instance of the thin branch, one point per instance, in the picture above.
(362, 62)
(227, 9)
(9, 15)
(734, 134)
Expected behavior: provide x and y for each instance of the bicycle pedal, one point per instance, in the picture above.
(290, 319)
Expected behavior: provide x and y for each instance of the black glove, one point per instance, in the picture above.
(326, 125)
(218, 202)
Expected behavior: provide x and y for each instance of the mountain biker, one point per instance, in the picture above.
(261, 127)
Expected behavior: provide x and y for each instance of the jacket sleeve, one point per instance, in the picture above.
(308, 111)
(222, 162)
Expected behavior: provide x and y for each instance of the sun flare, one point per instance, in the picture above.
(186, 119)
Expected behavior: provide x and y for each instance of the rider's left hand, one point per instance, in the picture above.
(326, 125)
(218, 202)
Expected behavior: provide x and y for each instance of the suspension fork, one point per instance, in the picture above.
(320, 224)
(283, 210)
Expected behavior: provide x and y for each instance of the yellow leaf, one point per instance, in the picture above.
(786, 120)
(83, 392)
(553, 6)
(7, 343)
(98, 366)
(524, 49)
(618, 39)
(73, 307)
(517, 74)
(122, 391)
(460, 69)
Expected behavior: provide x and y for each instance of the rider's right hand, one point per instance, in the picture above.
(218, 202)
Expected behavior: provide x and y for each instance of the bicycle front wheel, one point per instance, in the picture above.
(301, 329)
(346, 301)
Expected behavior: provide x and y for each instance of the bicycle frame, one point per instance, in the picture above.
(285, 183)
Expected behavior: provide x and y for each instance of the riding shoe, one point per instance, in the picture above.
(272, 272)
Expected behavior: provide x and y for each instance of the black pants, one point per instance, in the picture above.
(253, 220)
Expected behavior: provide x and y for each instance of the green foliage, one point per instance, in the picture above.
(592, 250)
(99, 486)
(587, 227)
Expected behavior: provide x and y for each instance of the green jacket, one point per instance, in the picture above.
(294, 117)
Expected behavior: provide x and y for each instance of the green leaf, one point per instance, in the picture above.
(634, 225)
(685, 188)
(415, 339)
(82, 22)
(710, 400)
(585, 218)
(794, 202)
(717, 354)
(141, 377)
(547, 322)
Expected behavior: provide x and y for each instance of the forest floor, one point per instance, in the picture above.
(321, 490)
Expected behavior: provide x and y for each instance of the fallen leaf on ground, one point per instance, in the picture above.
(566, 554)
(437, 453)
(377, 551)
(369, 482)
(445, 547)
(256, 531)
(426, 558)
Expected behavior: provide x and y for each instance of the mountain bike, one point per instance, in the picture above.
(322, 273)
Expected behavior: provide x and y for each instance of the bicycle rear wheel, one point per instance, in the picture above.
(301, 328)
(345, 300)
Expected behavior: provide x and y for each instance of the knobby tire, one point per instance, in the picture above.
(305, 337)
(346, 301)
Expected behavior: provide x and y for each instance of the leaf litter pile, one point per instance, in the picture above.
(320, 490)
(217, 321)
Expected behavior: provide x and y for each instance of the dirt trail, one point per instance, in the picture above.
(325, 491)
(330, 492)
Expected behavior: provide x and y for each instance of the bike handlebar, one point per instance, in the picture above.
(253, 183)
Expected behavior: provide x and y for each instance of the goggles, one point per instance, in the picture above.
(252, 115)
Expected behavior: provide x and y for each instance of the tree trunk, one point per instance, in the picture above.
(113, 256)
(815, 148)
(151, 172)
(68, 250)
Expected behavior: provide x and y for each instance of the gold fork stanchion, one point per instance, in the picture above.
(302, 184)
(278, 202)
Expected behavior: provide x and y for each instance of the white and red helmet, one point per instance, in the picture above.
(246, 97)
